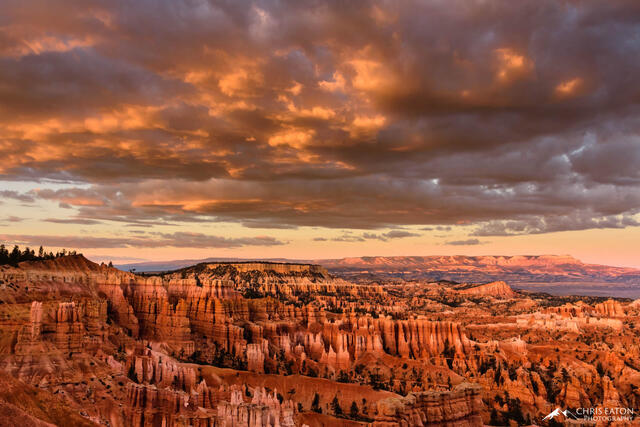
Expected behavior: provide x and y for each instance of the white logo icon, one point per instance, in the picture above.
(557, 412)
(552, 415)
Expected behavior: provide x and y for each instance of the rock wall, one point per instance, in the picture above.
(460, 408)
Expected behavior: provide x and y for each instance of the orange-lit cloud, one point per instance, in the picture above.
(370, 75)
(512, 65)
(569, 87)
(337, 83)
(295, 138)
(240, 82)
(366, 124)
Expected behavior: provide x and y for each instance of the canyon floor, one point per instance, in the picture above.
(285, 344)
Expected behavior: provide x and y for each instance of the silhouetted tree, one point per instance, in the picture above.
(4, 255)
(27, 254)
(14, 257)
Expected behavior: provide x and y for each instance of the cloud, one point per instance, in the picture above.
(267, 224)
(467, 242)
(13, 218)
(550, 224)
(393, 234)
(79, 221)
(371, 115)
(437, 228)
(176, 240)
(349, 238)
(23, 197)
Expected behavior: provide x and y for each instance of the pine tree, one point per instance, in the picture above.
(354, 412)
(315, 404)
(4, 255)
(14, 257)
(335, 406)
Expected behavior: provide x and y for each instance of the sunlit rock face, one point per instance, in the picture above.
(494, 289)
(267, 344)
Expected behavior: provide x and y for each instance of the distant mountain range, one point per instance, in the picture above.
(516, 269)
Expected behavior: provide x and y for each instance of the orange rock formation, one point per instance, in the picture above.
(267, 344)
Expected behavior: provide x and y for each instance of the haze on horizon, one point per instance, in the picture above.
(194, 129)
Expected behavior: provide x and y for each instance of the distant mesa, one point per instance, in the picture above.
(163, 266)
(264, 266)
(494, 289)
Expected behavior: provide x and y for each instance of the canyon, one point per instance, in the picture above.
(290, 344)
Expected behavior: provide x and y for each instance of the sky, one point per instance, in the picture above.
(156, 130)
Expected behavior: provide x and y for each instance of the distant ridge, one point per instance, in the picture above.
(477, 269)
(156, 266)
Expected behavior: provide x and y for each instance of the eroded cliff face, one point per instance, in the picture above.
(267, 344)
(118, 347)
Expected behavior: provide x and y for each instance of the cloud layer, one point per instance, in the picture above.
(175, 240)
(516, 118)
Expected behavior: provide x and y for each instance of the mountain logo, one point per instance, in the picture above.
(552, 414)
(557, 412)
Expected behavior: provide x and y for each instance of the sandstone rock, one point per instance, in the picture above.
(494, 289)
(120, 347)
(610, 308)
(461, 407)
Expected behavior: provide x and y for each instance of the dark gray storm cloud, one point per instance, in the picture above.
(515, 118)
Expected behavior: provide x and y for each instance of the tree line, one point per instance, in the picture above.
(16, 255)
